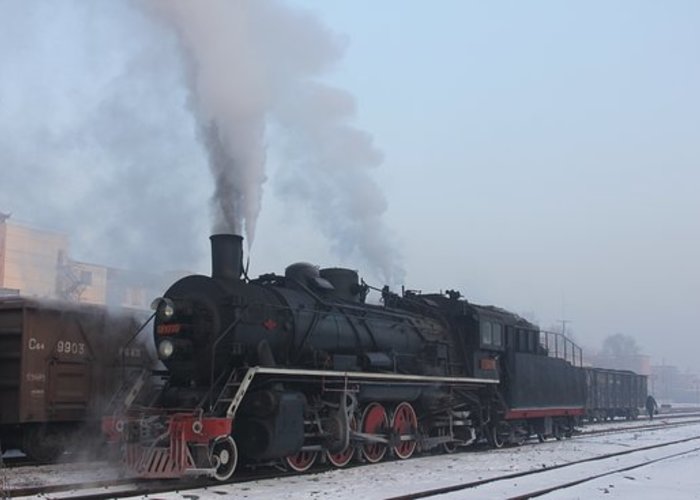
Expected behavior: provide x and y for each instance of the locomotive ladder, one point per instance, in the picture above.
(128, 392)
(233, 391)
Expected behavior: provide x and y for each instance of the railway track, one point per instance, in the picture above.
(130, 487)
(17, 461)
(569, 484)
(124, 487)
(661, 424)
(529, 480)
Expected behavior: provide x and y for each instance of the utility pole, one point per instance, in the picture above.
(563, 325)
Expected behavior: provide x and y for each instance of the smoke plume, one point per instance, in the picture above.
(253, 64)
(228, 101)
(97, 137)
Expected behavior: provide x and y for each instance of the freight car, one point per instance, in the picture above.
(299, 367)
(614, 393)
(59, 365)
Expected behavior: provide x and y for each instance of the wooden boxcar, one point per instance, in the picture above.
(59, 365)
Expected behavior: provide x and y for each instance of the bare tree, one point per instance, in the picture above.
(619, 345)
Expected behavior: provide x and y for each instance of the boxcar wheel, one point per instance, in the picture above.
(42, 444)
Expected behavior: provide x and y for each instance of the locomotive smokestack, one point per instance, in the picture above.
(226, 256)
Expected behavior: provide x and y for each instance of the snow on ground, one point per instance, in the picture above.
(69, 473)
(389, 479)
(674, 479)
(529, 484)
(421, 473)
(83, 471)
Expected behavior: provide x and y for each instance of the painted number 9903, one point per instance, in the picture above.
(68, 347)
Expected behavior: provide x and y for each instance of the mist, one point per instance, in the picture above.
(141, 127)
(95, 140)
(540, 157)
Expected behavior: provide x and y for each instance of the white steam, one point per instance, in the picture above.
(254, 63)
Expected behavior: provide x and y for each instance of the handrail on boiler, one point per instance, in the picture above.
(131, 339)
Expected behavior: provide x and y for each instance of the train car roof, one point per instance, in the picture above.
(19, 301)
(507, 316)
(611, 370)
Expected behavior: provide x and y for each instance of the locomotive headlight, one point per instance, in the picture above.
(167, 311)
(164, 307)
(165, 349)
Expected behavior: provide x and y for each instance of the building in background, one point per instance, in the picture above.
(29, 259)
(669, 384)
(36, 263)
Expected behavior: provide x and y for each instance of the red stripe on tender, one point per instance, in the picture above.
(518, 413)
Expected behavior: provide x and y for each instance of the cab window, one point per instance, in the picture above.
(496, 334)
(485, 333)
(522, 340)
(491, 334)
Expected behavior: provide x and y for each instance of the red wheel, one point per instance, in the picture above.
(342, 458)
(302, 461)
(374, 421)
(404, 423)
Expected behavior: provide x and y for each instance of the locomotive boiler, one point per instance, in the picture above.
(300, 368)
(306, 319)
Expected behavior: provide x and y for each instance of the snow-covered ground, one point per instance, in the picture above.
(629, 475)
(675, 478)
(399, 478)
(69, 473)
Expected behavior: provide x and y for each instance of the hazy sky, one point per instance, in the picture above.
(541, 156)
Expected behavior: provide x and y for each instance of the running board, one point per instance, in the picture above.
(347, 376)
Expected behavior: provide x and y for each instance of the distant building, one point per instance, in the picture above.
(669, 384)
(29, 259)
(37, 263)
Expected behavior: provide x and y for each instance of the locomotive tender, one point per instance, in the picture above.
(299, 366)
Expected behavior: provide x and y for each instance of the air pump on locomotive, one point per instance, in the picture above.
(298, 367)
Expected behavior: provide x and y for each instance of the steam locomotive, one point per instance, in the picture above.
(301, 368)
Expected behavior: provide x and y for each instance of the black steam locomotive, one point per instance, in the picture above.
(299, 367)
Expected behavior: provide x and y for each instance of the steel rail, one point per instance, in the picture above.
(474, 484)
(569, 484)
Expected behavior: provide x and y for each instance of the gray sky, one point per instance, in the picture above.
(541, 156)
